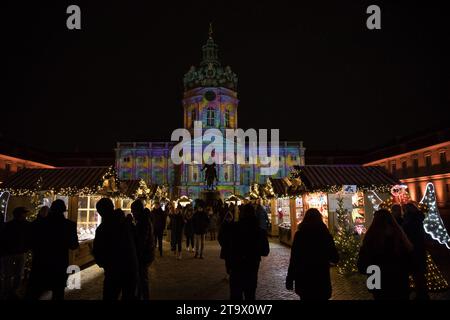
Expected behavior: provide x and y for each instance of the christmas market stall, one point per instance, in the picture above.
(80, 188)
(326, 188)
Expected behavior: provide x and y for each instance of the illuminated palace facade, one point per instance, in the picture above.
(210, 96)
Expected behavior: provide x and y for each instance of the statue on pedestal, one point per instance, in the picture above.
(210, 175)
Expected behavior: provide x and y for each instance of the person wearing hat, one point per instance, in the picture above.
(51, 241)
(14, 243)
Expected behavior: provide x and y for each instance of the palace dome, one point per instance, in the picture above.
(210, 72)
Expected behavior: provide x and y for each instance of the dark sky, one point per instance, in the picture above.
(315, 72)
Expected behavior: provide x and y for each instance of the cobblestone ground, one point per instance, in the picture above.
(193, 279)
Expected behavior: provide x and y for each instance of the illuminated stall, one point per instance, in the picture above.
(321, 187)
(80, 189)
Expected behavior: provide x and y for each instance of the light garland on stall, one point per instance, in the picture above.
(433, 222)
(68, 191)
(4, 197)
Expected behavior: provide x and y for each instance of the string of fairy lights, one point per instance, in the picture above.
(433, 223)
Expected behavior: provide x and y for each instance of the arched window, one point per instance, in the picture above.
(228, 173)
(194, 173)
(210, 117)
(193, 117)
(227, 119)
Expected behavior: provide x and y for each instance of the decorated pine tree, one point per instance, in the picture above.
(347, 241)
(433, 222)
(435, 280)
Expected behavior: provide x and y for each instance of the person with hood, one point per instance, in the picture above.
(159, 220)
(145, 246)
(247, 243)
(114, 250)
(14, 244)
(312, 252)
(51, 241)
(386, 245)
(413, 227)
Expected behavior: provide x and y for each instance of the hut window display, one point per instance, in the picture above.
(319, 201)
(88, 217)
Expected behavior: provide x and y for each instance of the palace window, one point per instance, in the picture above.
(7, 167)
(193, 117)
(394, 167)
(418, 193)
(404, 167)
(227, 119)
(228, 172)
(443, 159)
(126, 159)
(210, 117)
(194, 174)
(416, 165)
(428, 161)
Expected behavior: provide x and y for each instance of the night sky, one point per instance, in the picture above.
(315, 72)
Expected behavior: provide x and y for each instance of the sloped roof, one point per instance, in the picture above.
(320, 176)
(57, 178)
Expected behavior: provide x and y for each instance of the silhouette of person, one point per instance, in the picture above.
(247, 244)
(176, 228)
(51, 241)
(159, 219)
(312, 251)
(387, 246)
(200, 222)
(114, 250)
(413, 227)
(144, 246)
(14, 243)
(188, 227)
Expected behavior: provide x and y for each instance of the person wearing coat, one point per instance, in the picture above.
(413, 227)
(51, 241)
(312, 252)
(159, 220)
(386, 246)
(224, 237)
(114, 250)
(14, 244)
(145, 246)
(200, 222)
(188, 227)
(176, 229)
(246, 243)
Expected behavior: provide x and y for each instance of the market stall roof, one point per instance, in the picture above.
(67, 179)
(321, 176)
(279, 186)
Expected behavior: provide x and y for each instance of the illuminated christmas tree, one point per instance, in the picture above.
(435, 280)
(347, 241)
(433, 222)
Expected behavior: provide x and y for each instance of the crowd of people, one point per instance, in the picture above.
(49, 238)
(394, 242)
(125, 245)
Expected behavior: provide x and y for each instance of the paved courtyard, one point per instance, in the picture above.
(193, 279)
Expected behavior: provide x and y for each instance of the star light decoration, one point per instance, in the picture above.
(433, 222)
